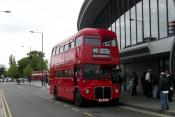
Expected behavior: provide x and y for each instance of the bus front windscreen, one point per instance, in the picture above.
(95, 72)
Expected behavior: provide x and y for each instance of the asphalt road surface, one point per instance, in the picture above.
(29, 101)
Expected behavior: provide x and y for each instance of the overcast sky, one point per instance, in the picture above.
(57, 19)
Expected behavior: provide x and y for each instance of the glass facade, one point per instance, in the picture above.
(138, 20)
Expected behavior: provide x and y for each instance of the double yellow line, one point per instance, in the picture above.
(6, 109)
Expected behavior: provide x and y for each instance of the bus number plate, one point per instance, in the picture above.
(103, 100)
(105, 51)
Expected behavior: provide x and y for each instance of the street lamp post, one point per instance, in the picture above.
(42, 49)
(29, 56)
(7, 11)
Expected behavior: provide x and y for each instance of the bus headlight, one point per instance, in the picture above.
(87, 91)
(116, 91)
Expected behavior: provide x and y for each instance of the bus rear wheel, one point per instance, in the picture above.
(78, 99)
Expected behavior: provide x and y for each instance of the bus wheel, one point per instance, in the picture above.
(55, 94)
(78, 99)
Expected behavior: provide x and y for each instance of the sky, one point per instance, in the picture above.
(57, 19)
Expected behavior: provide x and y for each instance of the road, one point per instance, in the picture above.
(29, 101)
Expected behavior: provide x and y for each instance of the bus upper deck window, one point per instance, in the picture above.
(92, 40)
(79, 41)
(66, 47)
(114, 42)
(71, 44)
(109, 42)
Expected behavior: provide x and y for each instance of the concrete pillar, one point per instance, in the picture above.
(172, 58)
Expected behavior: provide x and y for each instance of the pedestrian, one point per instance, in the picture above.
(173, 78)
(30, 79)
(155, 83)
(134, 81)
(164, 89)
(170, 79)
(116, 77)
(143, 82)
(148, 83)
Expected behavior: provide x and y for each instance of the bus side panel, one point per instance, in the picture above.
(68, 88)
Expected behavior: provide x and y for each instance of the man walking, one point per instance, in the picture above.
(164, 90)
(148, 83)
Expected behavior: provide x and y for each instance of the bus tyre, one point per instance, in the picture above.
(78, 99)
(55, 94)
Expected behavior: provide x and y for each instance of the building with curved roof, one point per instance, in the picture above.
(145, 31)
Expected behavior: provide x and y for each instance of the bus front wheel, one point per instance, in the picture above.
(78, 99)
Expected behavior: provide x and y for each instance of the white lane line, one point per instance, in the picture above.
(50, 99)
(89, 114)
(4, 111)
(6, 104)
(75, 109)
(58, 102)
(145, 112)
(67, 106)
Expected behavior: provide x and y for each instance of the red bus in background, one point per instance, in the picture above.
(37, 75)
(81, 67)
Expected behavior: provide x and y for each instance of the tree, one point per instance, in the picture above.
(22, 64)
(34, 60)
(2, 71)
(28, 71)
(13, 71)
(11, 60)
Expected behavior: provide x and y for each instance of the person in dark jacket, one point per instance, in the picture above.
(173, 77)
(170, 93)
(143, 82)
(155, 83)
(134, 79)
(148, 83)
(164, 90)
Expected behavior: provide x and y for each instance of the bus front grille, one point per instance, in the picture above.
(103, 93)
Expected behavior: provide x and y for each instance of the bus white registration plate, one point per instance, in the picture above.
(103, 100)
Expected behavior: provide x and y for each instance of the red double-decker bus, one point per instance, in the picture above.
(82, 66)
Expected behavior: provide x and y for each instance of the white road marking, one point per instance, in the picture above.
(89, 114)
(75, 109)
(66, 106)
(6, 104)
(58, 102)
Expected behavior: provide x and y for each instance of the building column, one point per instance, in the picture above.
(172, 58)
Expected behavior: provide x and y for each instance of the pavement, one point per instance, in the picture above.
(37, 84)
(139, 102)
(145, 103)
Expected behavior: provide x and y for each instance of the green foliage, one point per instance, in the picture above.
(28, 71)
(22, 64)
(33, 60)
(13, 71)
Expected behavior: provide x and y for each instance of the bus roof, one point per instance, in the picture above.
(90, 31)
